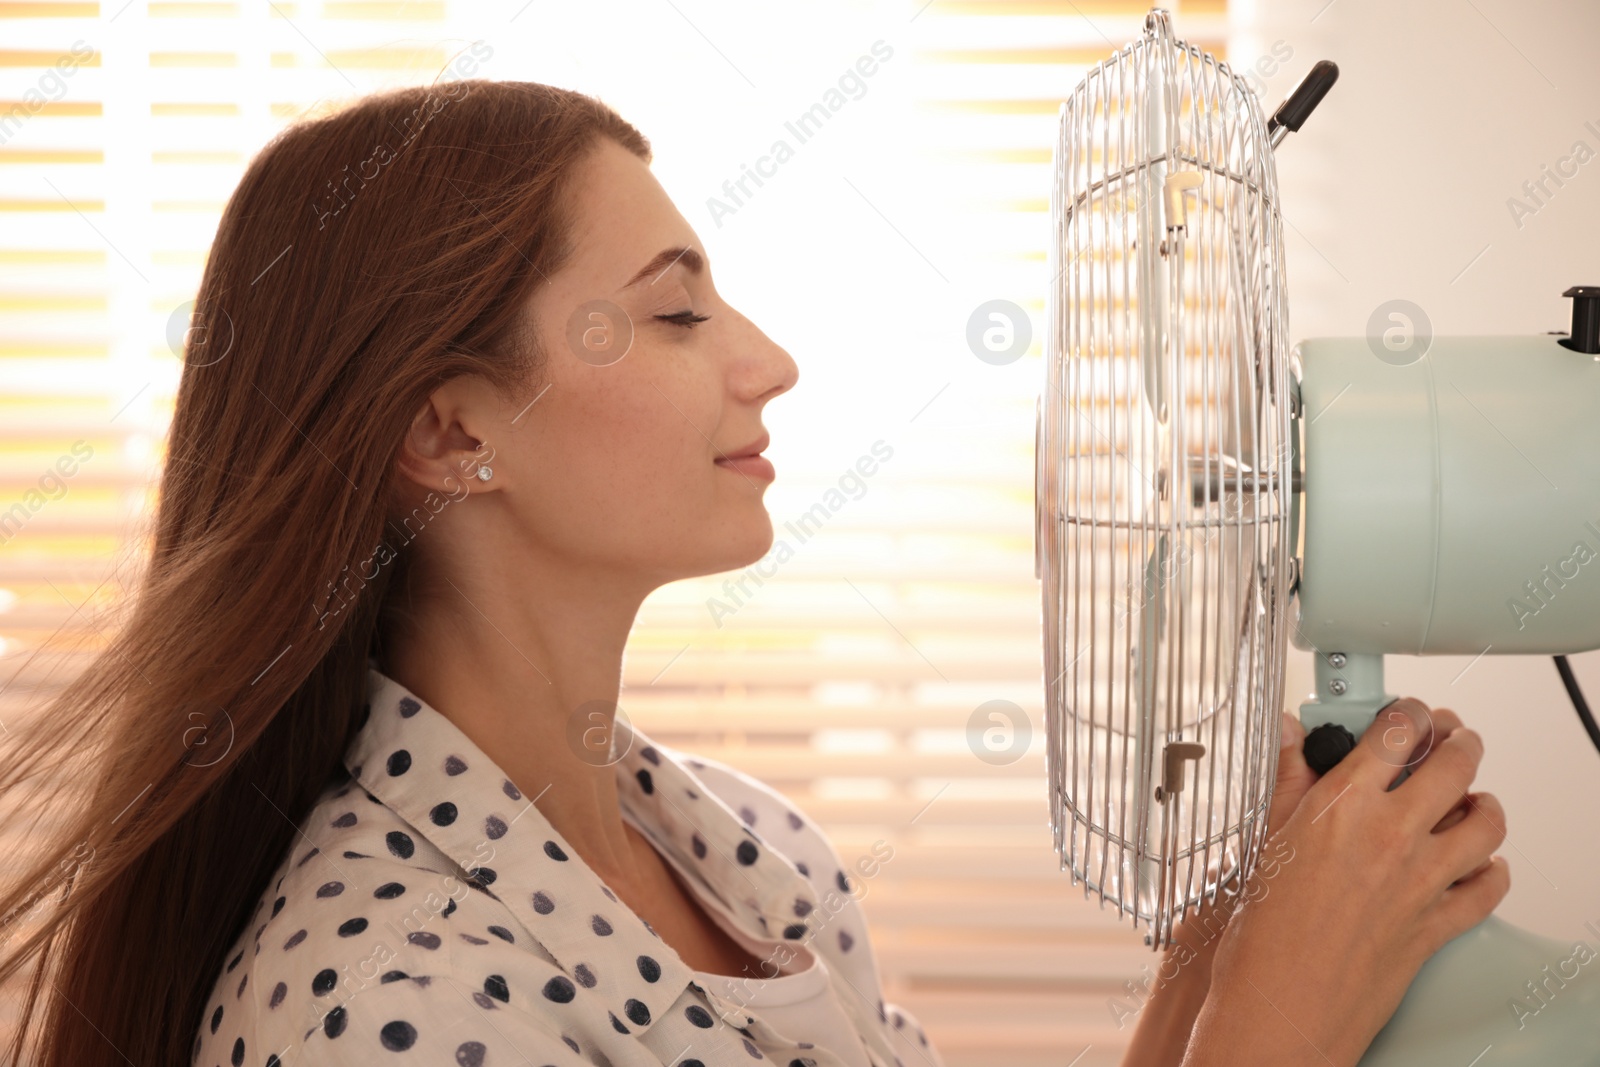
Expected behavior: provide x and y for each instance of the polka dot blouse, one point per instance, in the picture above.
(427, 913)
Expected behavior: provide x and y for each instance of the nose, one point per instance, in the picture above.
(763, 369)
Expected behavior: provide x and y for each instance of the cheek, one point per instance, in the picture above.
(628, 453)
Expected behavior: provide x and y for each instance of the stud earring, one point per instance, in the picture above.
(484, 474)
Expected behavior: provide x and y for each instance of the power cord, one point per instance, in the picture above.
(1570, 680)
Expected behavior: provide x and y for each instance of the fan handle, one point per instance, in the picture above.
(1298, 105)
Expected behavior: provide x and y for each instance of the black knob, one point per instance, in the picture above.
(1326, 745)
(1300, 103)
(1585, 319)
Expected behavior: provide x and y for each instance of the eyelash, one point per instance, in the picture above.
(686, 319)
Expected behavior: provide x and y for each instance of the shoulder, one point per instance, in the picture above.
(361, 902)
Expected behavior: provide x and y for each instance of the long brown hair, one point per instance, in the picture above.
(366, 257)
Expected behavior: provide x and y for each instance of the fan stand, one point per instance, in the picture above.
(1496, 994)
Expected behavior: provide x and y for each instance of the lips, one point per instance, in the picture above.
(754, 448)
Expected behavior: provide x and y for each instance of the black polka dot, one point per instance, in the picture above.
(649, 968)
(424, 939)
(478, 877)
(352, 927)
(502, 933)
(616, 1023)
(511, 790)
(333, 1023)
(324, 982)
(746, 852)
(802, 868)
(802, 907)
(273, 1061)
(216, 1019)
(699, 1016)
(645, 781)
(348, 819)
(448, 909)
(399, 762)
(795, 821)
(473, 939)
(470, 1054)
(294, 939)
(454, 765)
(845, 940)
(443, 813)
(279, 991)
(397, 1036)
(748, 814)
(408, 707)
(699, 846)
(573, 1045)
(794, 931)
(495, 986)
(843, 882)
(637, 1011)
(330, 889)
(277, 905)
(400, 843)
(750, 1047)
(235, 961)
(392, 976)
(243, 979)
(600, 926)
(542, 903)
(388, 890)
(651, 754)
(554, 851)
(238, 1051)
(584, 976)
(559, 989)
(494, 827)
(308, 855)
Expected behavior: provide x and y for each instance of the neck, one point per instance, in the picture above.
(529, 667)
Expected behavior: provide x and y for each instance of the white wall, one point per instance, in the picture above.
(1398, 187)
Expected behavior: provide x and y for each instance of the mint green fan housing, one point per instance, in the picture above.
(1451, 506)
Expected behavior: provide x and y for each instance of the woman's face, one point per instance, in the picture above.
(619, 465)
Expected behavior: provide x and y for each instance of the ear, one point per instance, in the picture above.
(447, 442)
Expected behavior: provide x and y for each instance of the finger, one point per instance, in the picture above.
(1466, 846)
(1440, 782)
(1400, 734)
(1465, 905)
(1295, 776)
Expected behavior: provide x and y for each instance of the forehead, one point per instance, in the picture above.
(621, 217)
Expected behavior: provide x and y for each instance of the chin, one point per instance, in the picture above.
(736, 543)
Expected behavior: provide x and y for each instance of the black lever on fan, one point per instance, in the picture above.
(1298, 105)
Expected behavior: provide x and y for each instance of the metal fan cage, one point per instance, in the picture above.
(1163, 481)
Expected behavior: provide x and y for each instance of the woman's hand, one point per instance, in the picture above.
(1323, 948)
(1183, 977)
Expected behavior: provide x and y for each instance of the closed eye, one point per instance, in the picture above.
(686, 319)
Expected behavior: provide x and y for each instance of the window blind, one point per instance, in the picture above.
(857, 673)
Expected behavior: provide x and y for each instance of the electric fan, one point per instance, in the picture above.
(1204, 495)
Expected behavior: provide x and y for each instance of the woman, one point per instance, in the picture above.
(465, 395)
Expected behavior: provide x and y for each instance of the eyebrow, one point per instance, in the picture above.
(664, 259)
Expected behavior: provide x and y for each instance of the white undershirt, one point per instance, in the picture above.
(800, 1002)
